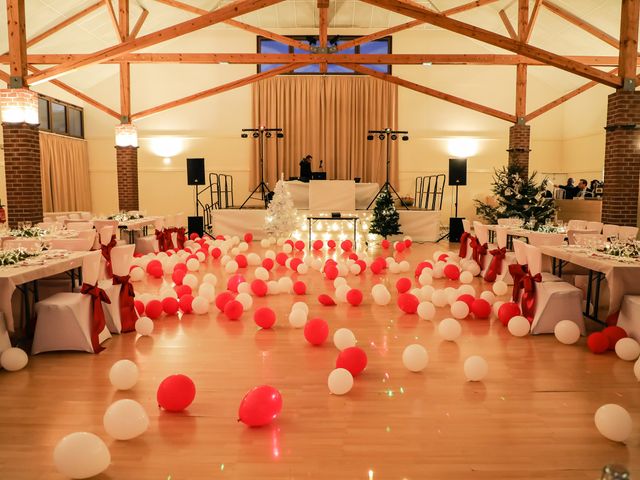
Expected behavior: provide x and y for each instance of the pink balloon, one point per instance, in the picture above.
(260, 406)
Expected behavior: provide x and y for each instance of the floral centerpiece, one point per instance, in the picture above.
(622, 248)
(547, 228)
(28, 232)
(15, 256)
(125, 217)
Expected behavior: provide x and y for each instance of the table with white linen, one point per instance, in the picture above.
(518, 232)
(622, 274)
(301, 193)
(12, 277)
(58, 235)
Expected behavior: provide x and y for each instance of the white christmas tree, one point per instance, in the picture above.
(281, 218)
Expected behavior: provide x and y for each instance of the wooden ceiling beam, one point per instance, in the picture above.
(629, 18)
(507, 24)
(532, 20)
(216, 90)
(234, 9)
(580, 23)
(521, 70)
(323, 22)
(17, 43)
(114, 18)
(433, 93)
(125, 67)
(413, 10)
(138, 25)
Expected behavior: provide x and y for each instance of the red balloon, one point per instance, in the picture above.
(267, 263)
(481, 308)
(185, 303)
(204, 251)
(233, 309)
(316, 331)
(362, 264)
(264, 317)
(222, 299)
(248, 237)
(376, 267)
(385, 244)
(180, 266)
(421, 266)
(139, 306)
(507, 311)
(468, 299)
(408, 303)
(443, 257)
(294, 263)
(259, 287)
(193, 236)
(331, 244)
(183, 290)
(331, 272)
(353, 359)
(408, 242)
(452, 272)
(403, 285)
(170, 305)
(241, 261)
(155, 269)
(220, 237)
(281, 258)
(290, 242)
(153, 309)
(317, 245)
(326, 300)
(613, 334)
(177, 276)
(354, 297)
(399, 246)
(346, 245)
(353, 256)
(260, 406)
(299, 245)
(233, 282)
(175, 393)
(152, 264)
(299, 287)
(216, 252)
(598, 342)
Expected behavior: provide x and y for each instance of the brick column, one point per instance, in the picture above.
(622, 159)
(22, 172)
(127, 160)
(519, 141)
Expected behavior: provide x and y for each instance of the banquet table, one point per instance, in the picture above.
(300, 193)
(59, 235)
(516, 232)
(621, 274)
(25, 277)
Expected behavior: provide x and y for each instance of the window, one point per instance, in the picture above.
(380, 46)
(60, 117)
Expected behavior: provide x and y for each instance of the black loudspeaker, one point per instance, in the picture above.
(195, 171)
(196, 225)
(455, 229)
(457, 171)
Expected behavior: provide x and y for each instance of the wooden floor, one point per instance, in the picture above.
(532, 418)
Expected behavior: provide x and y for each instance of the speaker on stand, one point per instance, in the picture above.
(196, 177)
(457, 178)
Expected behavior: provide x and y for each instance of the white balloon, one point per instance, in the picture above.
(14, 359)
(381, 296)
(124, 374)
(200, 256)
(467, 290)
(224, 260)
(125, 419)
(426, 278)
(264, 243)
(193, 265)
(439, 298)
(200, 305)
(270, 254)
(519, 326)
(339, 281)
(438, 270)
(636, 370)
(246, 300)
(449, 329)
(302, 269)
(298, 318)
(244, 287)
(344, 338)
(243, 246)
(136, 274)
(415, 357)
(567, 332)
(627, 349)
(613, 422)
(190, 280)
(500, 288)
(475, 368)
(81, 455)
(460, 310)
(272, 287)
(144, 326)
(207, 291)
(168, 292)
(394, 268)
(427, 292)
(211, 279)
(404, 266)
(343, 270)
(316, 264)
(452, 295)
(235, 251)
(300, 306)
(488, 296)
(340, 381)
(473, 268)
(466, 277)
(231, 266)
(355, 269)
(285, 284)
(426, 310)
(496, 307)
(417, 292)
(287, 248)
(341, 293)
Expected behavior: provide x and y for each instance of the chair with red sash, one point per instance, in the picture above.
(73, 321)
(121, 314)
(540, 239)
(107, 242)
(466, 240)
(500, 258)
(481, 246)
(155, 242)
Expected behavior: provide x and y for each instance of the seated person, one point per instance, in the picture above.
(569, 189)
(582, 192)
(305, 168)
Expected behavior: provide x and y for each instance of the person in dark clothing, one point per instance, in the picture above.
(569, 189)
(305, 168)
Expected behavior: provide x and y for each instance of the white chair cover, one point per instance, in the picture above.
(466, 225)
(535, 263)
(597, 226)
(610, 231)
(629, 317)
(520, 249)
(80, 226)
(573, 234)
(628, 233)
(557, 301)
(121, 260)
(577, 225)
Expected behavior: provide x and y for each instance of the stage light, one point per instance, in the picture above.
(462, 147)
(369, 137)
(387, 130)
(394, 137)
(244, 135)
(405, 138)
(381, 136)
(280, 135)
(268, 134)
(256, 134)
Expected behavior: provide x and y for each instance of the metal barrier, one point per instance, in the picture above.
(429, 191)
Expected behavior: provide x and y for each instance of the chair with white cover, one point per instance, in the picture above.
(554, 301)
(540, 239)
(120, 314)
(482, 244)
(151, 243)
(577, 225)
(506, 222)
(628, 233)
(73, 321)
(80, 244)
(507, 258)
(465, 251)
(610, 231)
(596, 226)
(74, 216)
(629, 317)
(107, 243)
(573, 235)
(80, 225)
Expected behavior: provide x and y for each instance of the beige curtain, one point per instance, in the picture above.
(64, 167)
(327, 117)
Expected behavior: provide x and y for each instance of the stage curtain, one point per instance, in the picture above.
(64, 168)
(327, 117)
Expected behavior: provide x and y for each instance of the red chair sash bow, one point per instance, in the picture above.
(126, 301)
(463, 244)
(518, 272)
(181, 237)
(97, 321)
(495, 267)
(479, 251)
(528, 303)
(161, 238)
(106, 253)
(168, 238)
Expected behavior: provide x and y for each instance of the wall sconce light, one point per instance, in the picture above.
(167, 148)
(126, 135)
(462, 147)
(19, 105)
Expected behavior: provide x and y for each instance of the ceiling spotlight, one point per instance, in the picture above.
(369, 137)
(244, 135)
(394, 137)
(256, 134)
(268, 135)
(405, 138)
(381, 136)
(279, 135)
(387, 130)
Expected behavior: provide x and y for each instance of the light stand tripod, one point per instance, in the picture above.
(260, 133)
(388, 135)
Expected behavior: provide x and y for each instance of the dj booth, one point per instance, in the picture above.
(332, 195)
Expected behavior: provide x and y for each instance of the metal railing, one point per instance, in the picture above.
(429, 192)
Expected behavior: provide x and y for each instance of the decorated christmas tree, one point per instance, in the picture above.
(515, 195)
(281, 218)
(385, 217)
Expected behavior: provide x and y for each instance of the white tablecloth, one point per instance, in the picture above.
(300, 192)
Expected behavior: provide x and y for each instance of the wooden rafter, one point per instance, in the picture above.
(235, 23)
(523, 19)
(580, 23)
(4, 76)
(630, 15)
(65, 23)
(17, 42)
(532, 20)
(323, 16)
(114, 18)
(216, 90)
(563, 98)
(507, 24)
(413, 10)
(136, 28)
(125, 68)
(433, 93)
(414, 23)
(521, 71)
(234, 9)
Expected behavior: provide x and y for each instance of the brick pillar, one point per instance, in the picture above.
(22, 172)
(622, 159)
(127, 159)
(519, 141)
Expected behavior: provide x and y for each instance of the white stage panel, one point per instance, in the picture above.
(365, 193)
(332, 196)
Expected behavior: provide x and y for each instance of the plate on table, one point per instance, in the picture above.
(57, 253)
(33, 261)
